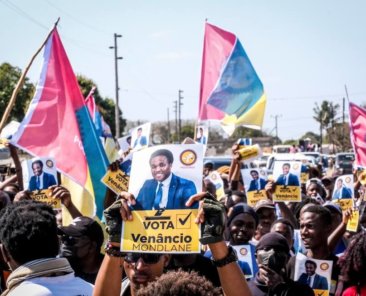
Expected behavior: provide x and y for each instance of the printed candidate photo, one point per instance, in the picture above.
(343, 188)
(201, 134)
(166, 176)
(39, 173)
(287, 179)
(254, 179)
(140, 136)
(313, 272)
(245, 259)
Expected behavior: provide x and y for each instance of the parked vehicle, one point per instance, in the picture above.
(344, 162)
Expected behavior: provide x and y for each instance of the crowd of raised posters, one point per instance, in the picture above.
(162, 179)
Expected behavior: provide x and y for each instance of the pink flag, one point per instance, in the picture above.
(357, 125)
(58, 124)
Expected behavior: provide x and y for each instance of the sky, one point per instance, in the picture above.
(303, 51)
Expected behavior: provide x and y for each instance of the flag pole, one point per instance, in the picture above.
(21, 82)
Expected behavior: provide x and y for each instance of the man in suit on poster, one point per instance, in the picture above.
(40, 180)
(166, 190)
(286, 178)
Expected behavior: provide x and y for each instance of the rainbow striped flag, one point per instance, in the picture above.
(231, 91)
(58, 125)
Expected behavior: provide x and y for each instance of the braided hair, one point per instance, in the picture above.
(353, 262)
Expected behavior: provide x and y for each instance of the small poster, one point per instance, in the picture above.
(248, 153)
(162, 231)
(343, 192)
(117, 181)
(245, 259)
(215, 178)
(304, 176)
(39, 173)
(314, 273)
(287, 176)
(202, 135)
(166, 176)
(45, 196)
(124, 143)
(352, 224)
(140, 136)
(254, 182)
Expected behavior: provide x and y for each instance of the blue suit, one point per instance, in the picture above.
(48, 180)
(320, 282)
(253, 186)
(142, 141)
(201, 140)
(293, 180)
(344, 192)
(180, 190)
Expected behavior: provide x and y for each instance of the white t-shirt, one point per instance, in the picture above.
(54, 286)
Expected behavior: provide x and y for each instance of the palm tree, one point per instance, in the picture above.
(326, 114)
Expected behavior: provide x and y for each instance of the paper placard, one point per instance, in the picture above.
(117, 181)
(162, 231)
(45, 196)
(352, 224)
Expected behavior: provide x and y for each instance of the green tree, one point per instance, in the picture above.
(326, 115)
(9, 76)
(106, 105)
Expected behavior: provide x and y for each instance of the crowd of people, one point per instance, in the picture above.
(40, 256)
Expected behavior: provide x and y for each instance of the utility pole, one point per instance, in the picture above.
(343, 119)
(180, 104)
(116, 58)
(168, 136)
(276, 125)
(176, 117)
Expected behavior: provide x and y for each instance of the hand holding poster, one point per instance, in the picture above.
(163, 178)
(287, 176)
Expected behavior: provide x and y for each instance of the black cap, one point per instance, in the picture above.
(273, 240)
(242, 209)
(84, 226)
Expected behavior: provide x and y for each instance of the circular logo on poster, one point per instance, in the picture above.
(188, 157)
(295, 166)
(213, 177)
(324, 266)
(243, 251)
(49, 163)
(347, 180)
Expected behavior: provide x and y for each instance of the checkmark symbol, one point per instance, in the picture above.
(183, 221)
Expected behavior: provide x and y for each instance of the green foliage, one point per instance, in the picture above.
(315, 138)
(9, 76)
(106, 105)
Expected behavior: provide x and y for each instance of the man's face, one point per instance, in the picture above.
(140, 273)
(313, 233)
(160, 168)
(285, 169)
(266, 217)
(139, 132)
(242, 229)
(254, 175)
(310, 269)
(37, 169)
(285, 230)
(339, 184)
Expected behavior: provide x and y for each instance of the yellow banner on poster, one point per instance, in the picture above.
(304, 177)
(318, 292)
(254, 196)
(249, 152)
(117, 181)
(287, 193)
(45, 196)
(162, 231)
(352, 224)
(344, 203)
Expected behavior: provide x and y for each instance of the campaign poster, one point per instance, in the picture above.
(215, 178)
(38, 175)
(248, 153)
(287, 180)
(201, 135)
(254, 183)
(162, 231)
(245, 259)
(352, 224)
(140, 136)
(117, 181)
(124, 143)
(314, 273)
(166, 176)
(343, 192)
(304, 175)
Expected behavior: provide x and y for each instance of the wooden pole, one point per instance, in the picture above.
(21, 82)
